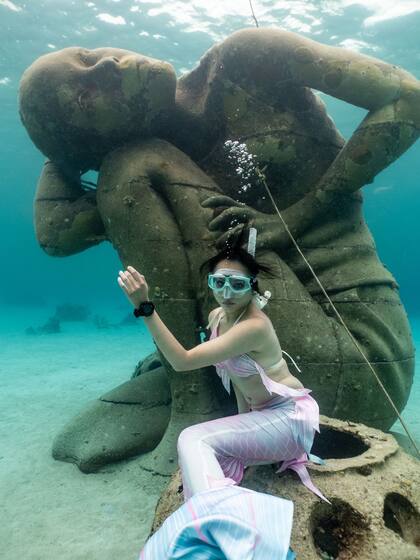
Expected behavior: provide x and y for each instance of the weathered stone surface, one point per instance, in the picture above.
(150, 362)
(158, 145)
(373, 486)
(150, 390)
(127, 421)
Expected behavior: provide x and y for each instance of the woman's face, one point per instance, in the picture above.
(227, 298)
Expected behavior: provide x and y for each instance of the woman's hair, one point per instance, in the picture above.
(233, 251)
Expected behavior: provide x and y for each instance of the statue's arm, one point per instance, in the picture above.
(67, 220)
(265, 59)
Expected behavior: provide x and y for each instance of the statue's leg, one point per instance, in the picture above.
(377, 319)
(109, 428)
(148, 234)
(331, 365)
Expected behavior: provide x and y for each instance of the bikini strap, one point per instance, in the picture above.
(293, 361)
(219, 316)
(216, 316)
(240, 316)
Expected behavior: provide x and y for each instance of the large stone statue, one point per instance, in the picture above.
(166, 195)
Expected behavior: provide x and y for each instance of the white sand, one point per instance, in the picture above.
(48, 509)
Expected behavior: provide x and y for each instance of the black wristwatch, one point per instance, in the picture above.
(145, 309)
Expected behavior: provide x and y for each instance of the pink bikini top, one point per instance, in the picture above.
(245, 366)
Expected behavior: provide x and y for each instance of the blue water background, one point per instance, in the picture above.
(180, 32)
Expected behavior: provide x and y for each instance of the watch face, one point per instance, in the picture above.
(147, 308)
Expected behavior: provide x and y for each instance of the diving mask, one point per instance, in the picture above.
(237, 284)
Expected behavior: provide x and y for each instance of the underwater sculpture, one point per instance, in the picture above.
(158, 144)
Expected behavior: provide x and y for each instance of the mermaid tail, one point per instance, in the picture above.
(214, 454)
(229, 523)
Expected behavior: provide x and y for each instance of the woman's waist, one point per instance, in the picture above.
(252, 379)
(304, 399)
(274, 401)
(263, 389)
(253, 382)
(287, 379)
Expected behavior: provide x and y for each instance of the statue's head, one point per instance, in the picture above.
(78, 104)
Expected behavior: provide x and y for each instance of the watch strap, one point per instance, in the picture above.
(145, 309)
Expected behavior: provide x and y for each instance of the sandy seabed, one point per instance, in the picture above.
(49, 510)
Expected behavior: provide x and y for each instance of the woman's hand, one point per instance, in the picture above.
(134, 285)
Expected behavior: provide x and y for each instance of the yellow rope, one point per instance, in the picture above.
(263, 179)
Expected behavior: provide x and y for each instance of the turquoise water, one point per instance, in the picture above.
(180, 32)
(32, 283)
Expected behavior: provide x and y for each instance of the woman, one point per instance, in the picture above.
(277, 417)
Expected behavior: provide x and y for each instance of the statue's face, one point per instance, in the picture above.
(103, 93)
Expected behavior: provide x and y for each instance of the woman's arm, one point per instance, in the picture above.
(247, 336)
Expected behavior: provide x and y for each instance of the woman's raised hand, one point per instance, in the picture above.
(134, 285)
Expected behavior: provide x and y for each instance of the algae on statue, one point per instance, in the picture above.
(158, 144)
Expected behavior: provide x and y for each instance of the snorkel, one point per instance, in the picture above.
(259, 300)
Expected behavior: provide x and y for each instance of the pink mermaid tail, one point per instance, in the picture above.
(230, 523)
(214, 454)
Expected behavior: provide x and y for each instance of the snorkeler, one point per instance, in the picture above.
(277, 417)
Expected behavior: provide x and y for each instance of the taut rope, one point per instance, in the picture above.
(264, 181)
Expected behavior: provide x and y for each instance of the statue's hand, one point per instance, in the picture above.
(230, 215)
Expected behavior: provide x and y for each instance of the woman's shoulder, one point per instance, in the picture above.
(213, 314)
(262, 322)
(256, 313)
